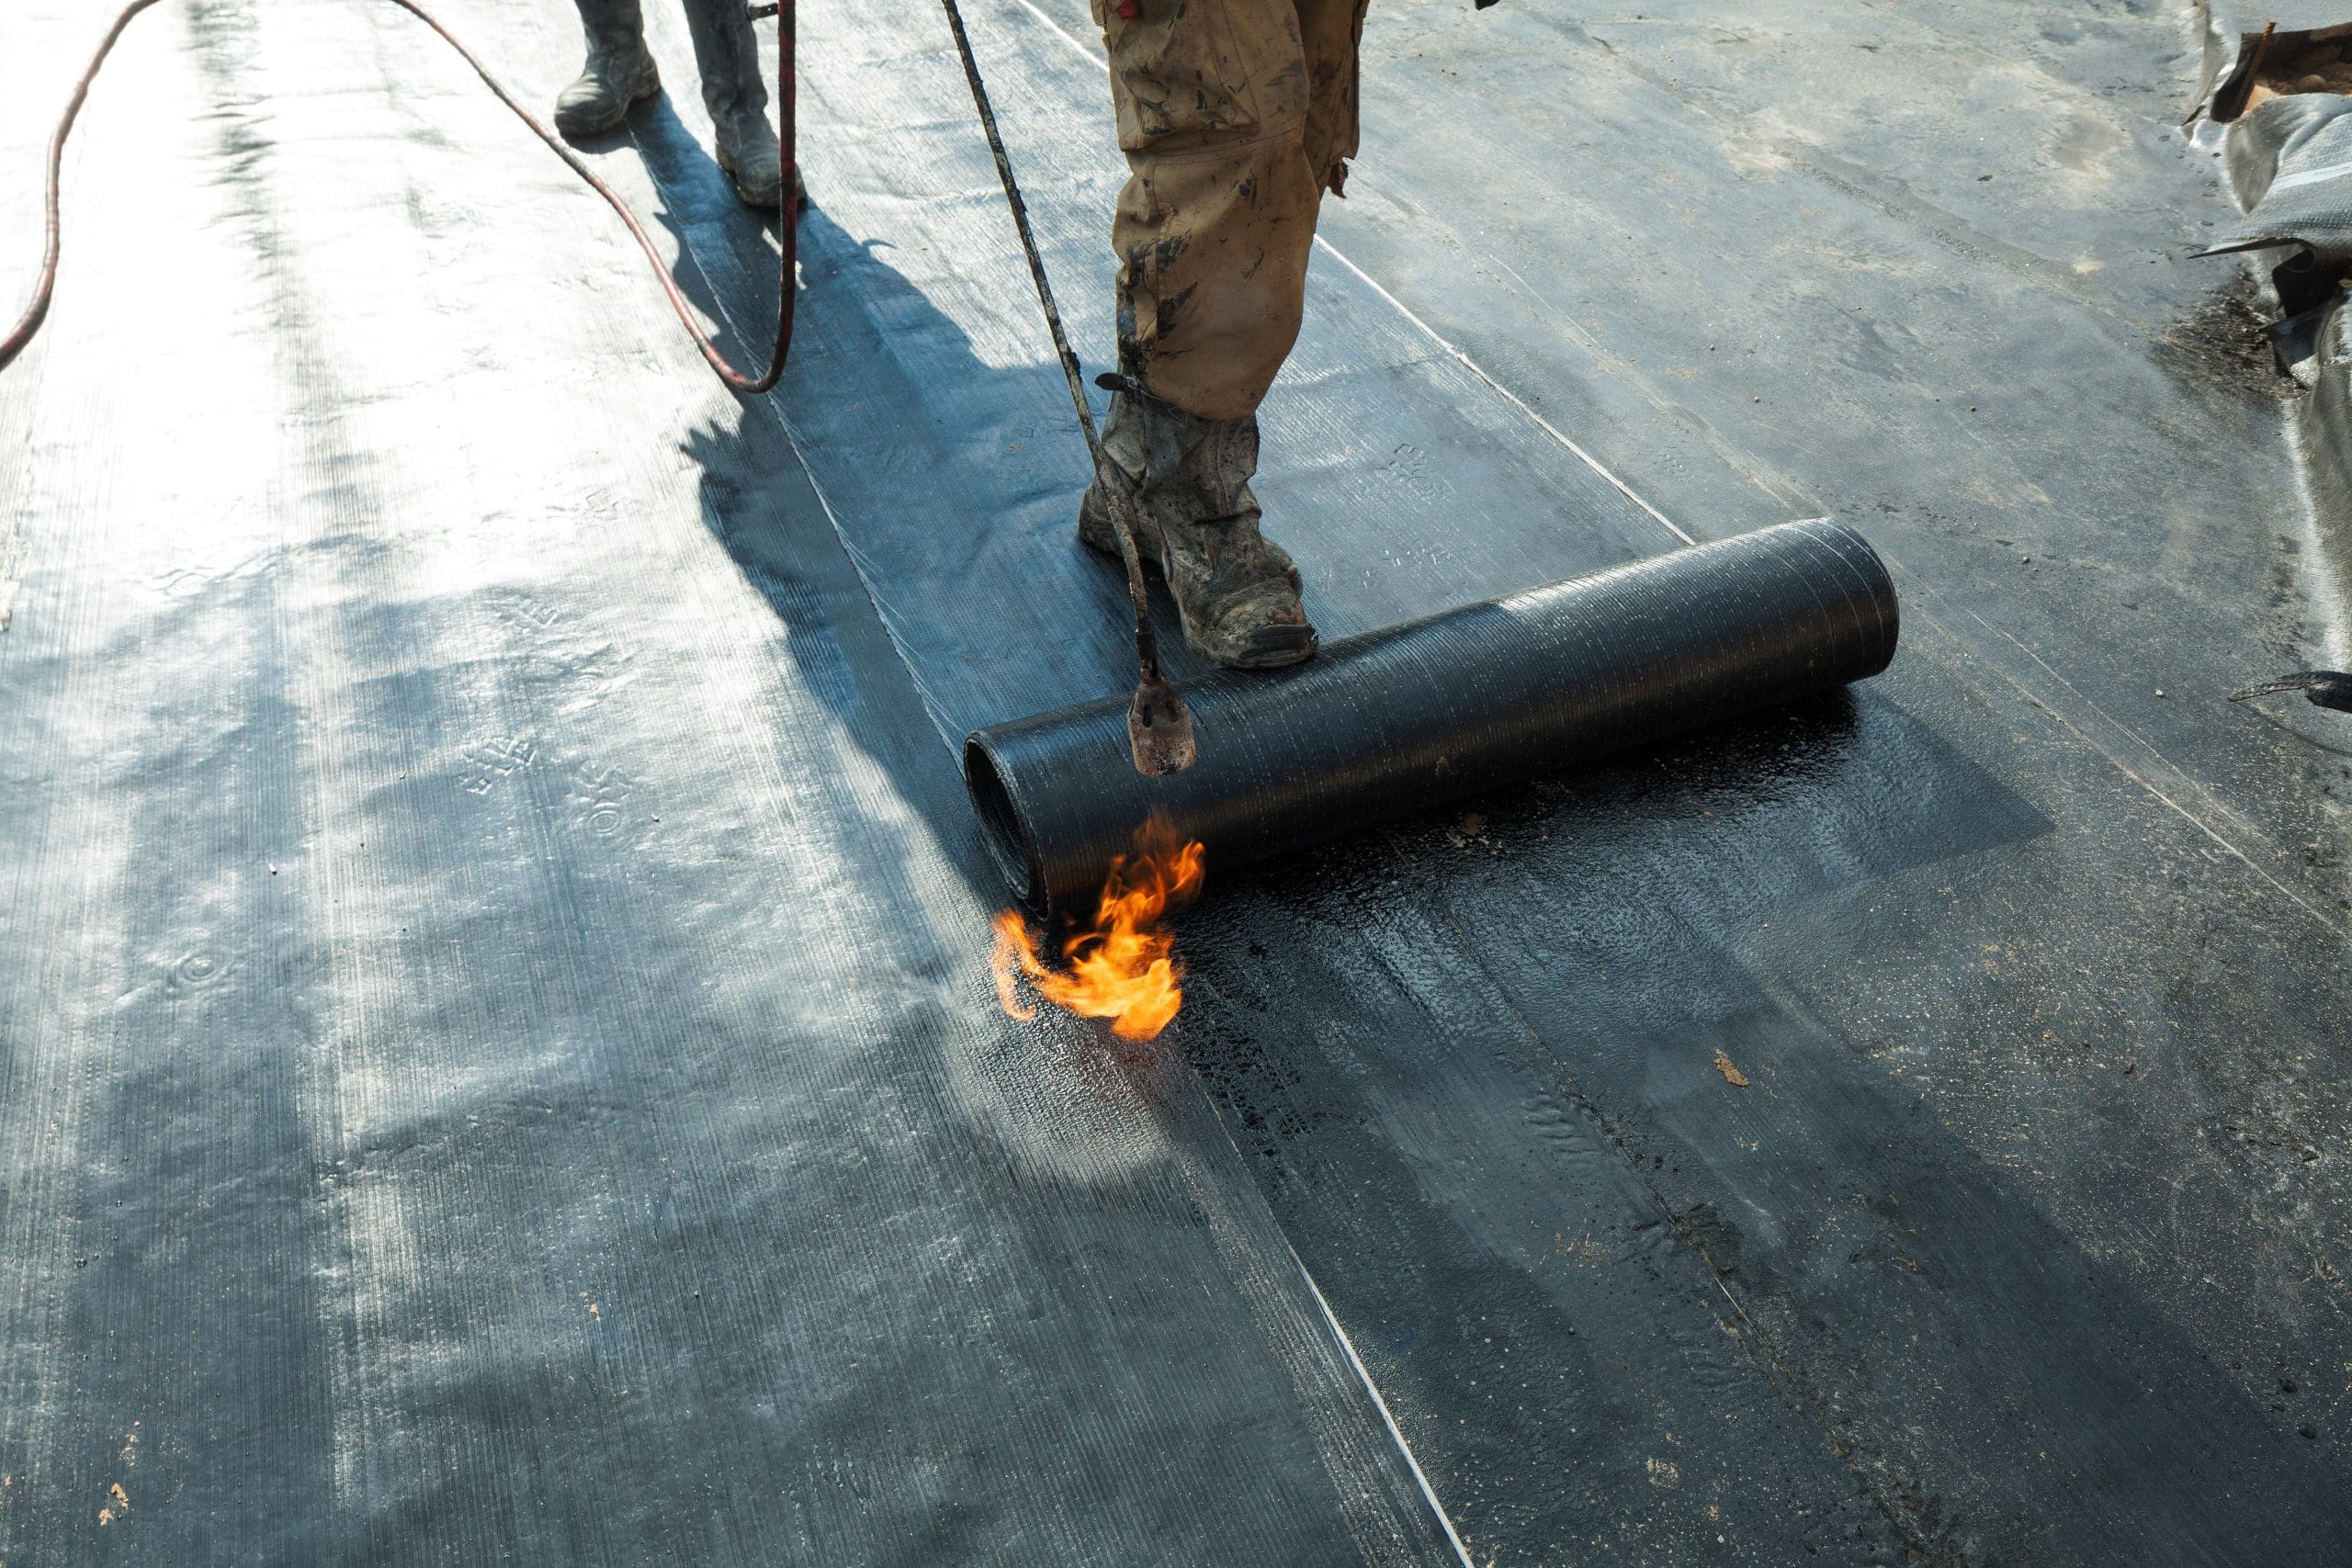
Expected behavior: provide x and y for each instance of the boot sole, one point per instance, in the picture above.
(1259, 658)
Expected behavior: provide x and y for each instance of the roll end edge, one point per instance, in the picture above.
(1849, 544)
(1001, 828)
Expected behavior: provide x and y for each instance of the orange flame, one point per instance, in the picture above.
(1122, 967)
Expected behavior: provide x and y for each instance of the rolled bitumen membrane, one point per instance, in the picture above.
(1410, 716)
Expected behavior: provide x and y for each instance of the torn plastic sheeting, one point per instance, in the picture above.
(2278, 135)
(2296, 149)
(1408, 717)
(2325, 419)
(2290, 165)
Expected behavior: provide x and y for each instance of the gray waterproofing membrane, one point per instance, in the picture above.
(494, 1061)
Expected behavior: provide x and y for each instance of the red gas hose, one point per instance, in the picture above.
(29, 322)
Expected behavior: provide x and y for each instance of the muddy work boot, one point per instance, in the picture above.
(728, 52)
(1195, 520)
(618, 73)
(748, 152)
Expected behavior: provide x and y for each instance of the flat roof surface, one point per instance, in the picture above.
(496, 1057)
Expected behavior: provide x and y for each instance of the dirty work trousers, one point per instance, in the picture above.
(1236, 117)
(726, 49)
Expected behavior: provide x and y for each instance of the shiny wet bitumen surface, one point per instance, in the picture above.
(496, 1062)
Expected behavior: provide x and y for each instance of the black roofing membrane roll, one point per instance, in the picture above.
(1402, 720)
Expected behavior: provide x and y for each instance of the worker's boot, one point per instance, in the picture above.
(728, 54)
(1197, 520)
(748, 152)
(619, 70)
(1122, 440)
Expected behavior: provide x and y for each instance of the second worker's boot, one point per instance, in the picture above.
(727, 51)
(748, 152)
(619, 70)
(1196, 519)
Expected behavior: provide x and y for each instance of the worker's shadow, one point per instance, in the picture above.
(842, 610)
(893, 457)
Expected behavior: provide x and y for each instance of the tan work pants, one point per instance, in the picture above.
(1236, 116)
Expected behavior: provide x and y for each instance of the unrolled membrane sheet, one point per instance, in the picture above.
(1408, 716)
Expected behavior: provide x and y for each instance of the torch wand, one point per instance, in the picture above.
(1160, 727)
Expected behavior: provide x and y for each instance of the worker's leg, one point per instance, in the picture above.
(1236, 116)
(1233, 115)
(1213, 229)
(728, 51)
(619, 72)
